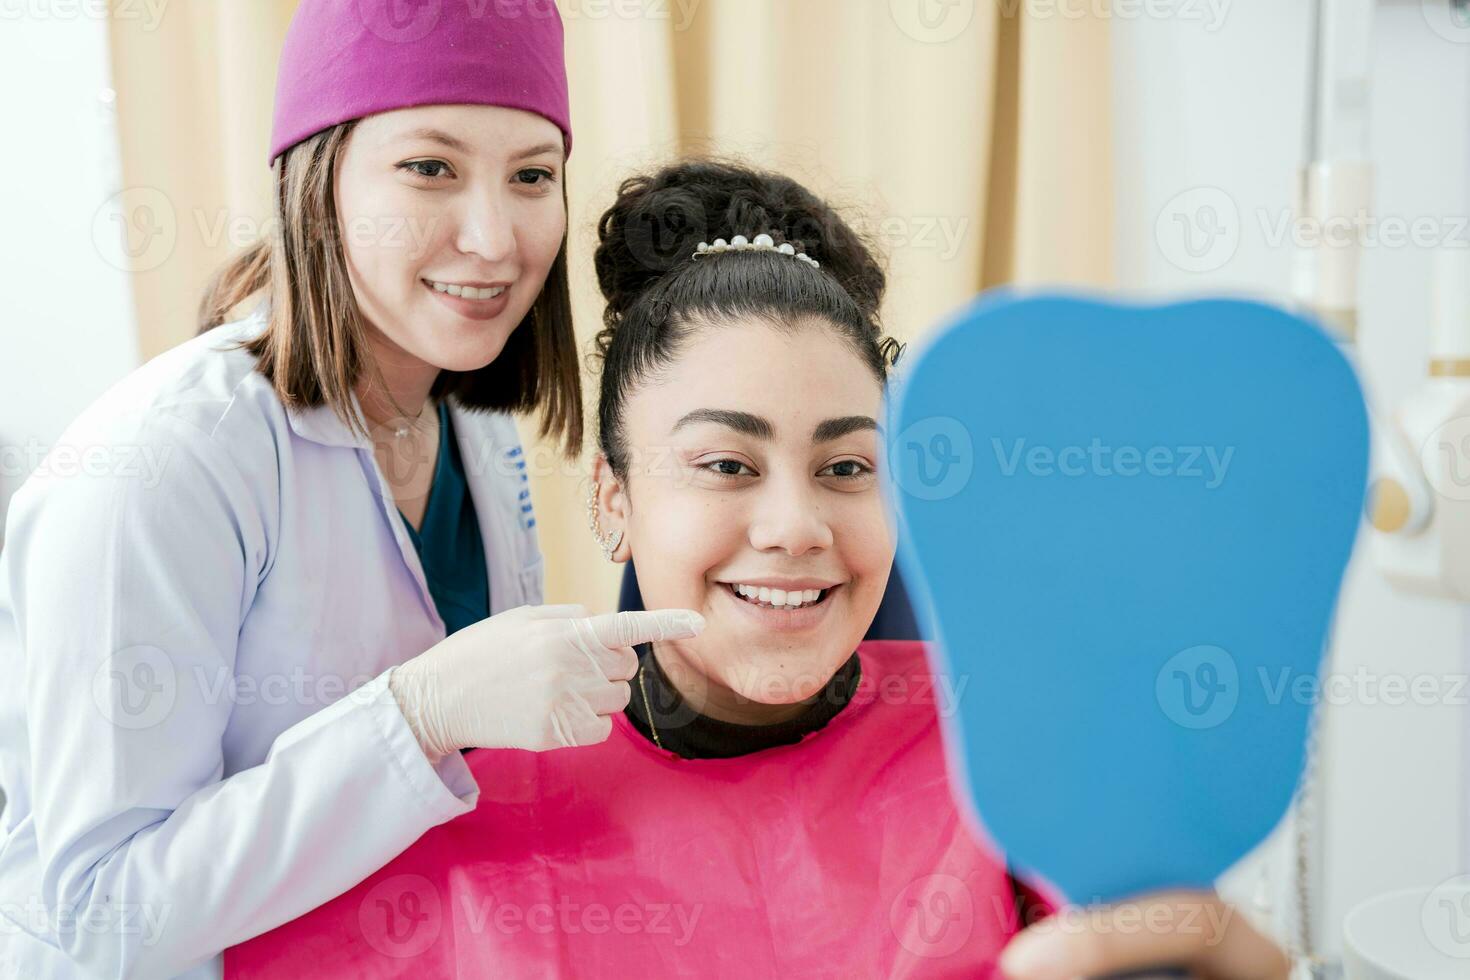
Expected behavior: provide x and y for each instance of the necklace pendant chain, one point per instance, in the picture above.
(647, 708)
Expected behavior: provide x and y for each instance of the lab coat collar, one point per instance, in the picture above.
(317, 423)
(321, 424)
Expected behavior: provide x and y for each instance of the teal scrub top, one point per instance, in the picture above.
(448, 542)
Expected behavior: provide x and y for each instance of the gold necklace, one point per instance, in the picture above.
(646, 708)
(405, 427)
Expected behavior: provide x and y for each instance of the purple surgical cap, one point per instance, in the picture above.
(346, 59)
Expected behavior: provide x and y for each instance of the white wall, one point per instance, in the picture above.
(1223, 109)
(66, 320)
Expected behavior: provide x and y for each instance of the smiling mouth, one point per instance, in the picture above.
(776, 599)
(465, 292)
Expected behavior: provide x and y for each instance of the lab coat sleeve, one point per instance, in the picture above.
(129, 593)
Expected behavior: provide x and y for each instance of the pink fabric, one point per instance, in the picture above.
(346, 59)
(842, 855)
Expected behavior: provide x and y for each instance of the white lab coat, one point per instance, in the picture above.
(183, 606)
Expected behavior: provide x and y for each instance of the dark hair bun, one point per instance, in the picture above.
(658, 219)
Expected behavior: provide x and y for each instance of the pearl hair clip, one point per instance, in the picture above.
(762, 243)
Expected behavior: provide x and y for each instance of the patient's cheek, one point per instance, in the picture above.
(686, 672)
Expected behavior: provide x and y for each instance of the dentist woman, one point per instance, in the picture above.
(237, 686)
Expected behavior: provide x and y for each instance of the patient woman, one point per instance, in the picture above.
(773, 800)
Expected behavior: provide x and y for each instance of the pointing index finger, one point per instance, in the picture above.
(629, 629)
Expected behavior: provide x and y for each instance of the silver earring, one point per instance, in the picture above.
(609, 543)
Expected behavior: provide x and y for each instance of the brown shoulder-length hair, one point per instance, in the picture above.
(314, 350)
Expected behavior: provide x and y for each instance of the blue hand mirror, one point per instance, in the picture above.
(1128, 525)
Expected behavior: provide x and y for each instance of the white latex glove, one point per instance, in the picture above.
(534, 677)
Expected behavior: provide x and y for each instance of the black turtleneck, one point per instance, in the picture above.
(694, 736)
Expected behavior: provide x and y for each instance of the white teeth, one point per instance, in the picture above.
(778, 597)
(468, 292)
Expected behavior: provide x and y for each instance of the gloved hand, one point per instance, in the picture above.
(534, 677)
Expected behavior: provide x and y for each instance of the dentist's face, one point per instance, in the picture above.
(753, 498)
(435, 200)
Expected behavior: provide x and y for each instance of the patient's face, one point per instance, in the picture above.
(754, 467)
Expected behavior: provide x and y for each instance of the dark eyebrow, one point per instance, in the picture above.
(536, 151)
(437, 136)
(742, 422)
(441, 137)
(759, 428)
(837, 428)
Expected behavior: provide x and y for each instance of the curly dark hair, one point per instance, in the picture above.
(657, 293)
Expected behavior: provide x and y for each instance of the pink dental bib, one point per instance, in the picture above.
(841, 855)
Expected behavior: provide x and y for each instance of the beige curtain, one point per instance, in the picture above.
(970, 138)
(194, 96)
